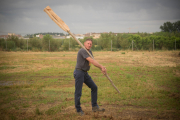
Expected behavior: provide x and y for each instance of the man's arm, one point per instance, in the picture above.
(95, 63)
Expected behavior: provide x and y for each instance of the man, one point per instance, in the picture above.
(81, 76)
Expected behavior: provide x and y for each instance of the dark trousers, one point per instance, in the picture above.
(80, 78)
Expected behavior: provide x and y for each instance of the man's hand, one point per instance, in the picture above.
(103, 70)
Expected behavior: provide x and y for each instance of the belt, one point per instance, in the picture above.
(81, 70)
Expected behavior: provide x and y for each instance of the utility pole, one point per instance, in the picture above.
(130, 29)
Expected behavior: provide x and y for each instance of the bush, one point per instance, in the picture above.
(18, 49)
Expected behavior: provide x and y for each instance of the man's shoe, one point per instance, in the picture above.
(81, 113)
(96, 109)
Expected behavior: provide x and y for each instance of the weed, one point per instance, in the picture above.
(25, 105)
(37, 111)
(50, 112)
(13, 117)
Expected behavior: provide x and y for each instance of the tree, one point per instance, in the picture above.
(45, 41)
(35, 43)
(137, 39)
(105, 41)
(122, 41)
(177, 26)
(65, 45)
(55, 44)
(170, 27)
(15, 39)
(146, 43)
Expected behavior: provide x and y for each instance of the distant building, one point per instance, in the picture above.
(10, 34)
(39, 36)
(68, 36)
(78, 36)
(96, 35)
(4, 36)
(59, 37)
(87, 34)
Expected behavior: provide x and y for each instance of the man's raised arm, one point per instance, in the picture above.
(95, 63)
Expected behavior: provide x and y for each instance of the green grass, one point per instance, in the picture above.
(153, 88)
(6, 67)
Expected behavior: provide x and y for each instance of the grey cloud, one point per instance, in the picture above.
(87, 16)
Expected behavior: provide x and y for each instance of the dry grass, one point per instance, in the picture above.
(40, 85)
(145, 58)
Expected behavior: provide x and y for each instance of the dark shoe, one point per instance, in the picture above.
(81, 113)
(96, 109)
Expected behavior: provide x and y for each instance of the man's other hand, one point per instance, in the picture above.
(103, 70)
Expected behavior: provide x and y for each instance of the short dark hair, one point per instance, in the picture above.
(89, 39)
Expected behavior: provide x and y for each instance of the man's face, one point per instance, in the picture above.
(88, 45)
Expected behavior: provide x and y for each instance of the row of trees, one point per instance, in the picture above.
(170, 27)
(107, 41)
(142, 41)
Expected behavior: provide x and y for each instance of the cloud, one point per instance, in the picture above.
(83, 16)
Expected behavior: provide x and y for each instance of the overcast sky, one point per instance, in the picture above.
(82, 16)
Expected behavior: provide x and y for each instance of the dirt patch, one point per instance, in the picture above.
(175, 95)
(112, 112)
(117, 112)
(176, 72)
(44, 107)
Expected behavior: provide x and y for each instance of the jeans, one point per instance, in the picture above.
(80, 78)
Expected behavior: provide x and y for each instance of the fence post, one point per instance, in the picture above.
(132, 45)
(111, 45)
(153, 44)
(49, 45)
(6, 44)
(27, 44)
(175, 44)
(69, 44)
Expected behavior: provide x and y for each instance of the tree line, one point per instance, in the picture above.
(107, 42)
(44, 33)
(170, 27)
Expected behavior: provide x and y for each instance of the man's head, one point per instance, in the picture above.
(88, 44)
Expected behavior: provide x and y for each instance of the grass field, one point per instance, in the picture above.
(40, 85)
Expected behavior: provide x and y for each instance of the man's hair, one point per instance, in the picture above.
(89, 39)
